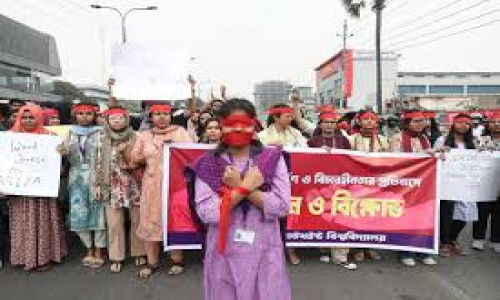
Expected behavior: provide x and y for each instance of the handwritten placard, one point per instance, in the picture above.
(29, 164)
(470, 176)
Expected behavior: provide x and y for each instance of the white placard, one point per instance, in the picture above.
(150, 72)
(29, 164)
(470, 176)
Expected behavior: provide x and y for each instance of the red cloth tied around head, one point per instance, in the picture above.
(430, 114)
(225, 212)
(368, 115)
(329, 115)
(495, 115)
(85, 108)
(462, 119)
(238, 119)
(34, 110)
(116, 111)
(165, 108)
(279, 111)
(414, 115)
(325, 109)
(48, 113)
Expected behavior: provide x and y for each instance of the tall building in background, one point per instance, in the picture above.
(28, 60)
(269, 93)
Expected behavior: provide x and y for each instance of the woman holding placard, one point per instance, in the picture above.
(148, 151)
(453, 215)
(36, 229)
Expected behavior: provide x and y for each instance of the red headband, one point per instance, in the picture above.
(462, 119)
(279, 110)
(495, 115)
(414, 115)
(160, 108)
(368, 115)
(430, 115)
(329, 115)
(242, 119)
(116, 111)
(85, 108)
(325, 108)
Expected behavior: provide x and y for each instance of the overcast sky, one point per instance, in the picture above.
(243, 42)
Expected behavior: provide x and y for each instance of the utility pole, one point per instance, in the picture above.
(345, 36)
(378, 8)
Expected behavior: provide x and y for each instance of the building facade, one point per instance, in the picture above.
(348, 79)
(269, 93)
(28, 61)
(447, 90)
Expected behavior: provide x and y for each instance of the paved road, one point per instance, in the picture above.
(475, 277)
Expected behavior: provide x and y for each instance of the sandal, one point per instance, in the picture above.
(97, 263)
(43, 268)
(177, 268)
(147, 270)
(87, 261)
(140, 261)
(116, 267)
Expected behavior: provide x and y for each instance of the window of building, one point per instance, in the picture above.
(411, 89)
(446, 89)
(483, 89)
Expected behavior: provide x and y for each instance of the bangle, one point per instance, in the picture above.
(242, 191)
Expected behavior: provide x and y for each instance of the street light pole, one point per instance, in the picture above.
(123, 16)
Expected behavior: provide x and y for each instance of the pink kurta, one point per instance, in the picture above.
(254, 271)
(148, 150)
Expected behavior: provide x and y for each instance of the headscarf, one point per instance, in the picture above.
(110, 139)
(36, 111)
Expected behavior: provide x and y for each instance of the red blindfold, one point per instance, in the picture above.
(235, 120)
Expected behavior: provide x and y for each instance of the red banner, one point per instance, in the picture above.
(349, 199)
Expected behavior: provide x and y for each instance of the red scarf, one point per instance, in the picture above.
(407, 135)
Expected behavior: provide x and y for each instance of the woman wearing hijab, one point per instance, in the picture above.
(36, 228)
(241, 192)
(148, 152)
(86, 212)
(412, 140)
(117, 187)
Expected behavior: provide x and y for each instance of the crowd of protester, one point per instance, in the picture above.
(112, 175)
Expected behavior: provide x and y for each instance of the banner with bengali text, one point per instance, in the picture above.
(339, 199)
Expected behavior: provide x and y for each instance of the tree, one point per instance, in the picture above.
(353, 8)
(67, 91)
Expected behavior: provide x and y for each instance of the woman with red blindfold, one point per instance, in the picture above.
(241, 192)
(117, 188)
(148, 152)
(86, 212)
(489, 141)
(455, 214)
(412, 140)
(36, 227)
